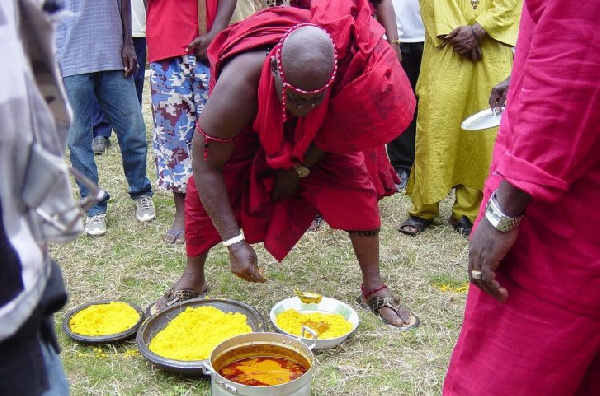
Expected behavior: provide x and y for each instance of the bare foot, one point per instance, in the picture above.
(174, 236)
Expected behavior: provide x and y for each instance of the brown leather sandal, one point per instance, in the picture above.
(173, 297)
(374, 304)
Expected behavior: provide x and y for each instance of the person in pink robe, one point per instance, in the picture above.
(532, 323)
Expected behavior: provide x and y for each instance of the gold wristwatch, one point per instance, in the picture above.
(302, 170)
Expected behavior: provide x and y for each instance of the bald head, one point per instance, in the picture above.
(307, 58)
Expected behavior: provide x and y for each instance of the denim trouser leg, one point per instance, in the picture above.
(80, 91)
(57, 379)
(118, 99)
(101, 126)
(139, 44)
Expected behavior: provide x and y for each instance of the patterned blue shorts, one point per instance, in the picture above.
(179, 88)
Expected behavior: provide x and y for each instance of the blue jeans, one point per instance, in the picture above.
(101, 126)
(118, 101)
(59, 386)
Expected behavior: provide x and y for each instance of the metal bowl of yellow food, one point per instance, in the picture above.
(105, 321)
(181, 338)
(332, 320)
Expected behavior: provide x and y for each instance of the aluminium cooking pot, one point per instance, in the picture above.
(257, 345)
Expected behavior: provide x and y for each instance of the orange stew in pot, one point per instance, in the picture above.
(263, 371)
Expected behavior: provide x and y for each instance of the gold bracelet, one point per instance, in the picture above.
(395, 41)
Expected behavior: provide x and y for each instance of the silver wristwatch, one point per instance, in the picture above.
(497, 218)
(302, 170)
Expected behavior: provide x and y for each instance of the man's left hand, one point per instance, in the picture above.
(464, 40)
(200, 44)
(287, 182)
(129, 59)
(487, 249)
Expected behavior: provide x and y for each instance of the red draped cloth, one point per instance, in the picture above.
(545, 340)
(369, 104)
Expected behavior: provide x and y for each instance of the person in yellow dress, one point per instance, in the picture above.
(468, 50)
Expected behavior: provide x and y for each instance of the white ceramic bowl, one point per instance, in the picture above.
(327, 305)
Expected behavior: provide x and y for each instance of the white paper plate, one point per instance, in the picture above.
(483, 120)
(327, 305)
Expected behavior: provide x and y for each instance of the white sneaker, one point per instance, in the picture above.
(96, 225)
(144, 208)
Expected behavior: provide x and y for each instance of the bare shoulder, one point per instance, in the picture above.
(234, 99)
(243, 71)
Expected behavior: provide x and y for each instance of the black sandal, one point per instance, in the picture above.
(419, 225)
(462, 226)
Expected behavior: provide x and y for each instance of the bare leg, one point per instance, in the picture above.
(191, 279)
(366, 249)
(175, 234)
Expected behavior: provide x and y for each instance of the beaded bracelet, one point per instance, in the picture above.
(208, 139)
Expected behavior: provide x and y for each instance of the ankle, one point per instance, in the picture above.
(369, 292)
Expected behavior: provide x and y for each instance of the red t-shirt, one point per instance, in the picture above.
(172, 24)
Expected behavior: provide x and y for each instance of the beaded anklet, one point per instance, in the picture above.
(366, 293)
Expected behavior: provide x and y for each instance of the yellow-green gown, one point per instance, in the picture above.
(451, 88)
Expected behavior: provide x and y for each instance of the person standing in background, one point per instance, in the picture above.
(411, 38)
(178, 34)
(468, 50)
(102, 70)
(102, 128)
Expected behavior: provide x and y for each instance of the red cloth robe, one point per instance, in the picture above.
(545, 340)
(369, 104)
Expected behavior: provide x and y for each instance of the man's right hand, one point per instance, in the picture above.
(498, 94)
(244, 263)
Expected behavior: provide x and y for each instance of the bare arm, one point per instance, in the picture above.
(128, 55)
(232, 105)
(386, 16)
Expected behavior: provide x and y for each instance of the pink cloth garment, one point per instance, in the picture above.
(548, 145)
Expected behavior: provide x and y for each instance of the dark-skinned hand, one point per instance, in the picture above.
(244, 263)
(287, 182)
(498, 94)
(129, 59)
(487, 248)
(464, 42)
(199, 45)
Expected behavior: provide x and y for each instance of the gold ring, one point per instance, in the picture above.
(476, 274)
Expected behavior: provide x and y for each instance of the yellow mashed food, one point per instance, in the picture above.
(104, 319)
(326, 325)
(195, 332)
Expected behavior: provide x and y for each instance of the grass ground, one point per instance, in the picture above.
(132, 263)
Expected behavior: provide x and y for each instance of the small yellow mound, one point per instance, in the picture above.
(195, 332)
(104, 319)
(326, 325)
